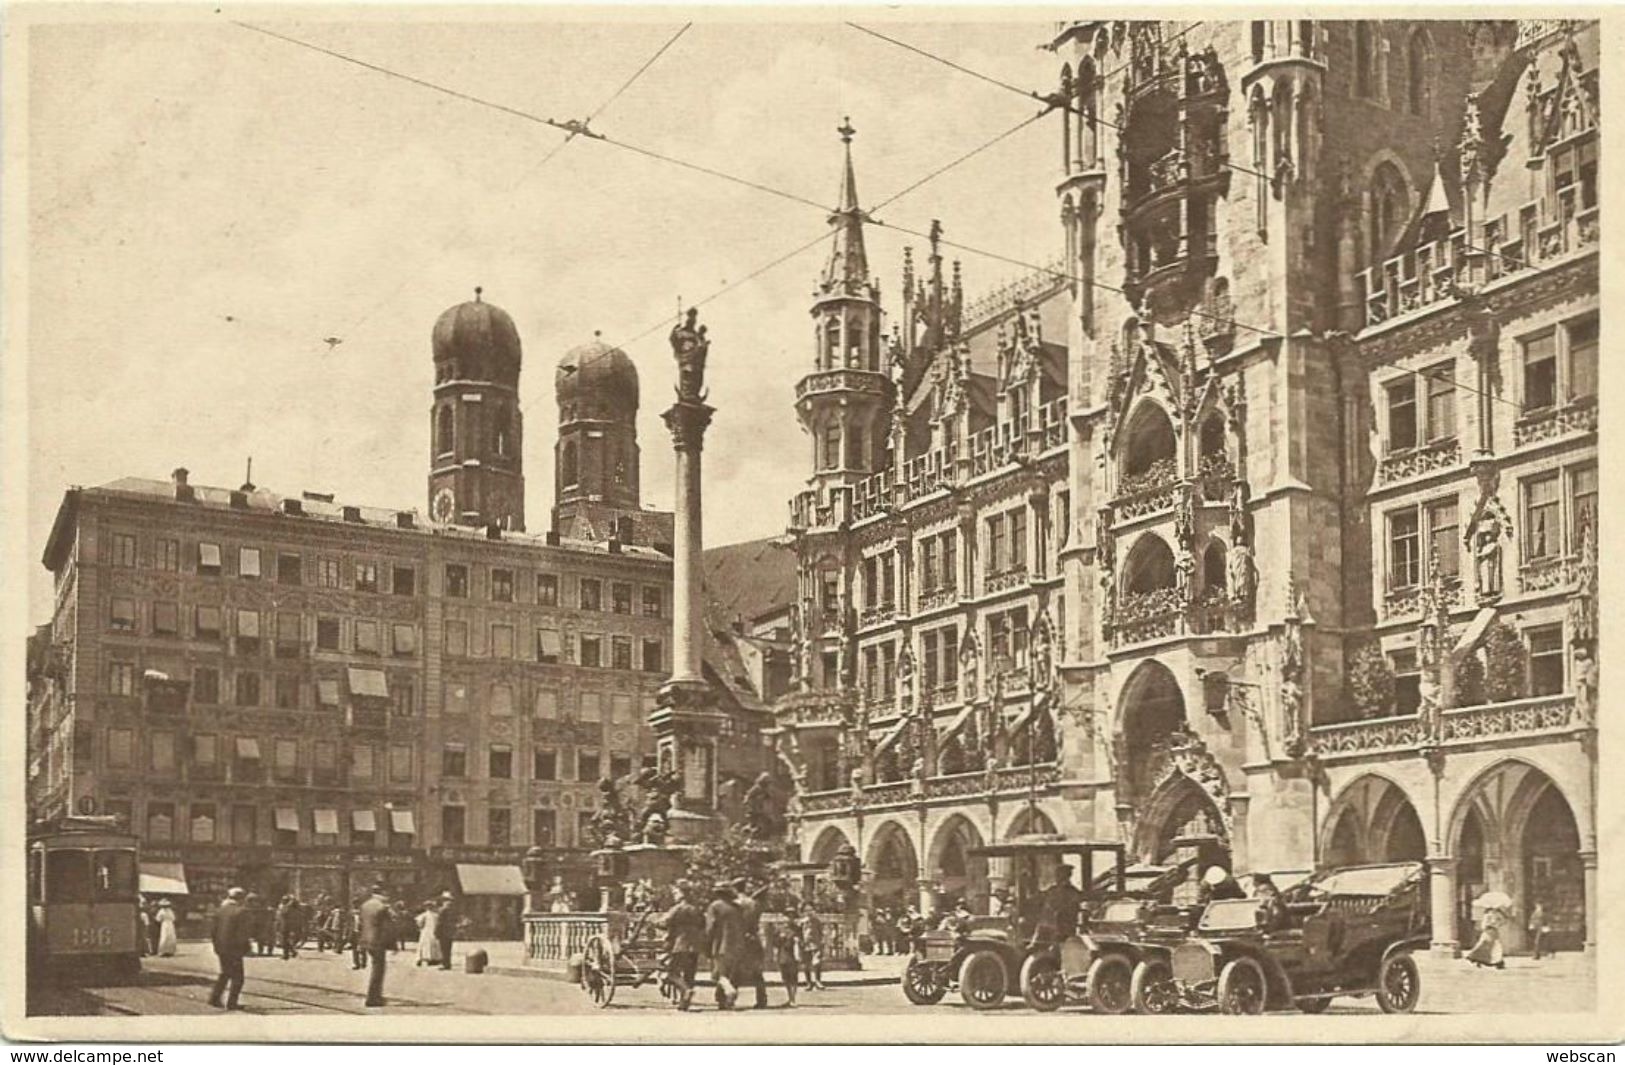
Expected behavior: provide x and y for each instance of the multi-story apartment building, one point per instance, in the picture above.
(1326, 332)
(295, 694)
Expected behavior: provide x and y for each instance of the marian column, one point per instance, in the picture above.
(685, 720)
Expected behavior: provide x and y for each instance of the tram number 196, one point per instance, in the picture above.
(84, 938)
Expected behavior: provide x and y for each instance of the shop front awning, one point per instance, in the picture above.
(364, 821)
(401, 823)
(490, 880)
(248, 748)
(163, 878)
(369, 683)
(327, 822)
(287, 819)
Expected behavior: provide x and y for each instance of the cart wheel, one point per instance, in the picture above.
(983, 980)
(924, 984)
(1152, 988)
(1242, 987)
(1399, 984)
(598, 971)
(1043, 985)
(1110, 984)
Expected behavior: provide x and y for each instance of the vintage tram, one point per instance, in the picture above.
(82, 896)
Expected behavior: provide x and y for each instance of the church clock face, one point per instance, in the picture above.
(445, 506)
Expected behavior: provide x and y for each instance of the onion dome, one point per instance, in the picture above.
(596, 381)
(476, 341)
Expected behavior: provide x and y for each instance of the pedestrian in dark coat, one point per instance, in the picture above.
(445, 930)
(684, 925)
(812, 948)
(752, 960)
(786, 951)
(358, 955)
(230, 935)
(376, 936)
(283, 925)
(725, 940)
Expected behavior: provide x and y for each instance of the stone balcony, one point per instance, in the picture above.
(842, 380)
(1407, 601)
(816, 709)
(1417, 461)
(1553, 423)
(1008, 780)
(1551, 715)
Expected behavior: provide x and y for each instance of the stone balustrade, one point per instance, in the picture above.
(1414, 462)
(1462, 725)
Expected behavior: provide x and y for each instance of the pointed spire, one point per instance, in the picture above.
(848, 270)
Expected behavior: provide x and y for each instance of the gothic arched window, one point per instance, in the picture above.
(1365, 59)
(502, 433)
(1418, 60)
(445, 434)
(1390, 209)
(568, 474)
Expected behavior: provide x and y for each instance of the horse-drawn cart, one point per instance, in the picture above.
(630, 960)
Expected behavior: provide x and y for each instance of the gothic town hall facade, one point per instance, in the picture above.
(1263, 520)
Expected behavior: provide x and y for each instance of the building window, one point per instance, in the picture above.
(287, 692)
(586, 765)
(1546, 660)
(620, 766)
(248, 689)
(290, 569)
(166, 618)
(591, 707)
(1390, 209)
(456, 697)
(1444, 544)
(620, 597)
(366, 576)
(329, 573)
(502, 641)
(568, 473)
(167, 555)
(501, 700)
(830, 459)
(547, 644)
(653, 602)
(457, 637)
(1407, 681)
(995, 545)
(592, 651)
(121, 678)
(499, 827)
(499, 762)
(456, 580)
(124, 550)
(592, 594)
(120, 745)
(445, 433)
(161, 821)
(502, 585)
(287, 759)
(327, 634)
(1404, 549)
(1581, 336)
(203, 822)
(205, 750)
(1418, 69)
(1007, 640)
(248, 562)
(162, 749)
(1365, 60)
(654, 658)
(1540, 372)
(405, 693)
(205, 685)
(1402, 427)
(547, 589)
(1542, 537)
(366, 636)
(245, 823)
(361, 761)
(400, 763)
(544, 826)
(1575, 164)
(547, 703)
(289, 633)
(404, 640)
(121, 617)
(206, 622)
(324, 758)
(1582, 504)
(452, 823)
(248, 632)
(404, 580)
(454, 760)
(620, 649)
(208, 559)
(544, 764)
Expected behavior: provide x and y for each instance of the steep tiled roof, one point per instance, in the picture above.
(749, 579)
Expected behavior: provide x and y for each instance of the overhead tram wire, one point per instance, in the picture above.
(734, 179)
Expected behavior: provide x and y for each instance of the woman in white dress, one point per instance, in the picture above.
(428, 941)
(166, 930)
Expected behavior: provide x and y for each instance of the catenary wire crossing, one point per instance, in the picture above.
(746, 182)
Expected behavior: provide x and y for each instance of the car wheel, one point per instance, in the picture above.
(1313, 1005)
(1399, 984)
(1151, 989)
(983, 980)
(1042, 985)
(1110, 984)
(1242, 988)
(923, 983)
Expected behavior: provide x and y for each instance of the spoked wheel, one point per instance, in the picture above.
(1043, 987)
(1151, 989)
(924, 984)
(598, 971)
(1241, 987)
(1110, 984)
(983, 980)
(1399, 984)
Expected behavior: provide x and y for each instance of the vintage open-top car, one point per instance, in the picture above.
(984, 957)
(1346, 931)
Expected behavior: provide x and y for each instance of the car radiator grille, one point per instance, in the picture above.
(1192, 964)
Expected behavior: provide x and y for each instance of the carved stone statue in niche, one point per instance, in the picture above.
(1490, 525)
(1041, 654)
(968, 668)
(1432, 652)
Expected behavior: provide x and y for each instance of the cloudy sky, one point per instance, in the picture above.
(207, 204)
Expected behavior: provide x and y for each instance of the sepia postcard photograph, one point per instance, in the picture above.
(533, 524)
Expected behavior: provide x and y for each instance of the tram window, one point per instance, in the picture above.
(67, 876)
(115, 875)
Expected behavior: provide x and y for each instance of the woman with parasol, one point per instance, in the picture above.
(1492, 910)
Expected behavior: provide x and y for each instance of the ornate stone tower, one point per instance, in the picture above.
(596, 455)
(476, 433)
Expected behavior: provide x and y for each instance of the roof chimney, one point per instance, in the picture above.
(183, 491)
(292, 506)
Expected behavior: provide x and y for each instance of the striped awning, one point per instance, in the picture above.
(364, 821)
(369, 683)
(287, 819)
(401, 823)
(248, 748)
(163, 878)
(327, 822)
(491, 879)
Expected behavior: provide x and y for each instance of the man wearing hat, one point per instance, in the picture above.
(725, 938)
(230, 936)
(753, 957)
(375, 940)
(1217, 883)
(1062, 903)
(445, 930)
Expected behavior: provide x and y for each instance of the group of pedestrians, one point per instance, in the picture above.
(371, 928)
(729, 931)
(157, 931)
